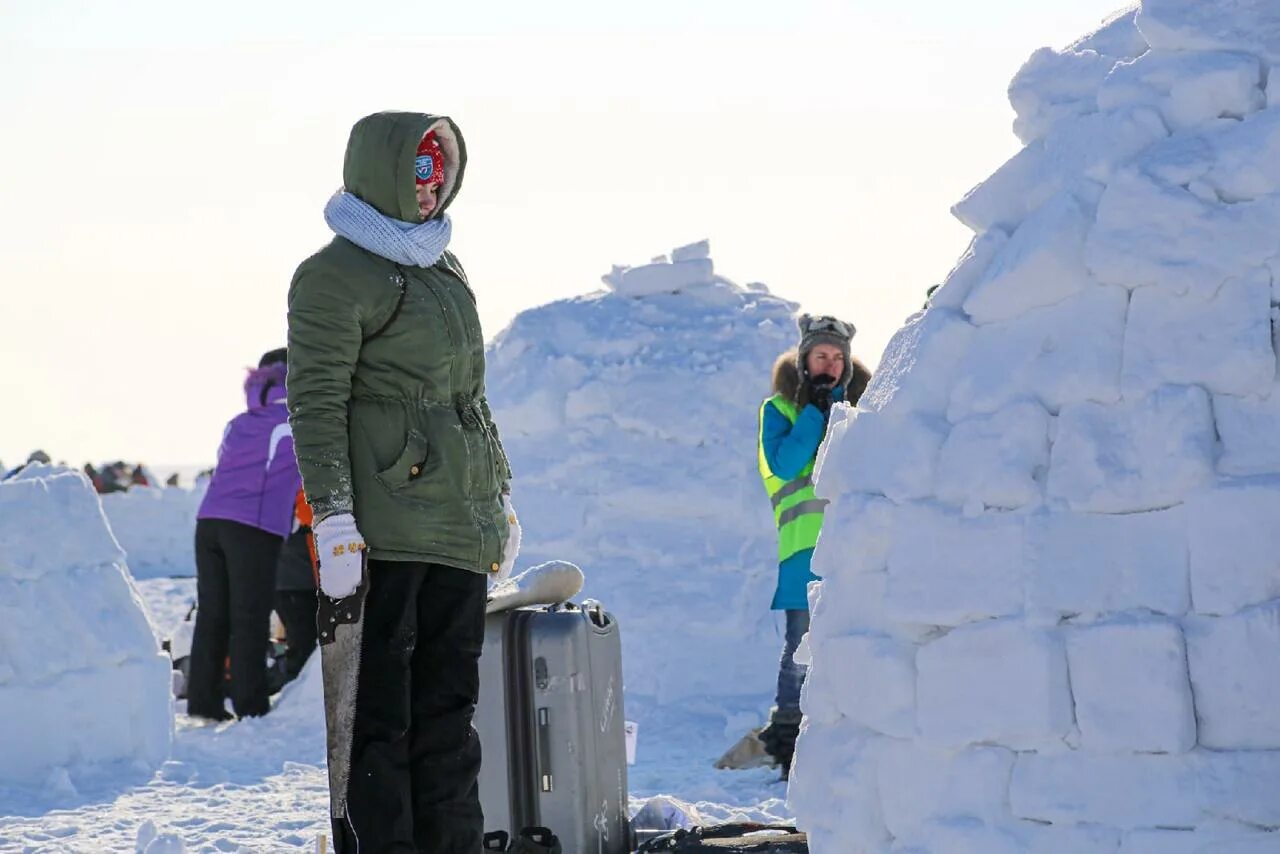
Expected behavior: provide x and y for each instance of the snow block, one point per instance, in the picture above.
(1085, 563)
(1078, 150)
(1118, 36)
(1189, 89)
(919, 365)
(692, 252)
(1249, 26)
(832, 482)
(1076, 840)
(1235, 545)
(652, 279)
(1148, 790)
(970, 836)
(1235, 668)
(1053, 86)
(1240, 785)
(998, 682)
(855, 604)
(919, 785)
(1061, 354)
(1042, 264)
(946, 569)
(861, 531)
(998, 460)
(1126, 791)
(971, 267)
(892, 456)
(1222, 343)
(1239, 841)
(1152, 234)
(833, 786)
(876, 687)
(959, 836)
(1246, 157)
(1247, 427)
(1136, 455)
(1129, 681)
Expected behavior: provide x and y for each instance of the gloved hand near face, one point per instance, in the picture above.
(825, 390)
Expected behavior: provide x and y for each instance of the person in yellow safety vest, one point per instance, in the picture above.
(793, 422)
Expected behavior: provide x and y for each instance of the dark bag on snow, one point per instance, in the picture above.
(739, 838)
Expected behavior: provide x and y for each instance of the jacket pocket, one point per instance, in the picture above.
(409, 466)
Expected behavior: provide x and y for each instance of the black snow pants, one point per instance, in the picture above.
(297, 611)
(415, 756)
(235, 587)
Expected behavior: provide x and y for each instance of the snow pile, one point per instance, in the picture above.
(156, 528)
(1058, 626)
(83, 682)
(630, 417)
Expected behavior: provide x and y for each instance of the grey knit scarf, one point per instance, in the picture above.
(415, 244)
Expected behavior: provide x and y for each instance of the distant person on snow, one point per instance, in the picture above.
(401, 463)
(241, 522)
(36, 457)
(138, 477)
(793, 423)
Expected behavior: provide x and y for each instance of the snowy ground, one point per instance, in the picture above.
(260, 785)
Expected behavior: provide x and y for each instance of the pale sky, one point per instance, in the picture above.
(163, 167)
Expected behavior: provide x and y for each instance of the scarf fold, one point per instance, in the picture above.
(413, 244)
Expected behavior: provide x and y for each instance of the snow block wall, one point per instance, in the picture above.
(156, 527)
(1050, 613)
(83, 682)
(630, 417)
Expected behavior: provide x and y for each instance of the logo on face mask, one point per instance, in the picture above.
(425, 168)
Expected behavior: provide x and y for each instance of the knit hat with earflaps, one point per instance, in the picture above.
(824, 329)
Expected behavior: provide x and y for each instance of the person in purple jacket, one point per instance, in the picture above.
(242, 521)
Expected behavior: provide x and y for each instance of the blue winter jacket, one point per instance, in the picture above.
(788, 449)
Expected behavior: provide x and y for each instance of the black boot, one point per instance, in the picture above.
(780, 735)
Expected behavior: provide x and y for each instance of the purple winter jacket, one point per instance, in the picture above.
(256, 478)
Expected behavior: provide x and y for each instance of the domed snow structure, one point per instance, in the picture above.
(1050, 617)
(83, 683)
(630, 417)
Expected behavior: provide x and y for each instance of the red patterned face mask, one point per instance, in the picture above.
(429, 164)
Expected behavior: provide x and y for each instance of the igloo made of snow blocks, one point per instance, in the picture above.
(1050, 613)
(84, 685)
(630, 415)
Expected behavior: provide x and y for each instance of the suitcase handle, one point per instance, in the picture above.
(595, 612)
(546, 778)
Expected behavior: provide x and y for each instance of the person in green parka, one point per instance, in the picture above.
(401, 463)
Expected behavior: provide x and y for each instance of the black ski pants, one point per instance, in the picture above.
(297, 610)
(415, 755)
(235, 587)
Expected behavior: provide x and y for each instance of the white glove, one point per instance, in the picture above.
(513, 541)
(339, 548)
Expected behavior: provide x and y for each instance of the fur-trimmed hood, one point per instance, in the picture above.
(786, 378)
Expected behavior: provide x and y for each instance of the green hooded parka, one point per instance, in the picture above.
(386, 374)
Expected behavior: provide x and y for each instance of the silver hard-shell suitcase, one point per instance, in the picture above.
(551, 727)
